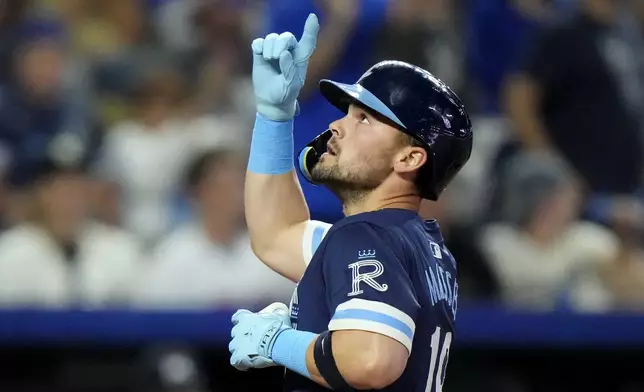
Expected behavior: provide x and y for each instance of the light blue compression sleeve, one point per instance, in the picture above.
(289, 350)
(271, 147)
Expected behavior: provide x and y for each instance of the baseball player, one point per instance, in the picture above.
(377, 292)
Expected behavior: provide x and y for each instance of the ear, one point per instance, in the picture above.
(410, 159)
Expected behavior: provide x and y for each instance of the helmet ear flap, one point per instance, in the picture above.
(310, 155)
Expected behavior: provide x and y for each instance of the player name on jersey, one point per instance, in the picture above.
(442, 285)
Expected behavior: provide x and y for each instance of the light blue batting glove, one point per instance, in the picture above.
(279, 70)
(254, 334)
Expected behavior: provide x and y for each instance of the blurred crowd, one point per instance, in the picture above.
(125, 124)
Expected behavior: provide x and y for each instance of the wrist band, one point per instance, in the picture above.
(271, 147)
(290, 349)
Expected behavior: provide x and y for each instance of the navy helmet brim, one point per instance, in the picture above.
(341, 95)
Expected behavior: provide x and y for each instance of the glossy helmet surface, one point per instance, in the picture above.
(420, 105)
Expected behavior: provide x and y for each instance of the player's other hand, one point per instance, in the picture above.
(279, 70)
(253, 336)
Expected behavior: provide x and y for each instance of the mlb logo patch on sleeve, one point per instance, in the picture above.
(436, 250)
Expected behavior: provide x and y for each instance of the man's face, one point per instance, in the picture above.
(64, 202)
(222, 189)
(40, 67)
(361, 153)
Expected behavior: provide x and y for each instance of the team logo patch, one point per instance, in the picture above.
(366, 271)
(436, 250)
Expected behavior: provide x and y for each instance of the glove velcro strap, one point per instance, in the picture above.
(325, 362)
(268, 339)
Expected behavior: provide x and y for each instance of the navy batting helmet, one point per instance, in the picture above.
(421, 106)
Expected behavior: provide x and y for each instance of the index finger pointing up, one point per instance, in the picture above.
(309, 38)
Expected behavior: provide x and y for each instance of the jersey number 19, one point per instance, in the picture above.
(438, 363)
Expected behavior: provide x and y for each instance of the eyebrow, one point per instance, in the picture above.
(374, 114)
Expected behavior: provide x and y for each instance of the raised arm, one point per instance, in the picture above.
(276, 212)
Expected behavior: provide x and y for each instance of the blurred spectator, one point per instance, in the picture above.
(106, 202)
(58, 257)
(211, 40)
(113, 39)
(541, 252)
(499, 31)
(105, 29)
(147, 154)
(220, 70)
(12, 16)
(37, 105)
(444, 53)
(174, 22)
(625, 280)
(208, 261)
(575, 95)
(430, 35)
(223, 70)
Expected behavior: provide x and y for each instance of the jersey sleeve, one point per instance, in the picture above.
(367, 286)
(314, 232)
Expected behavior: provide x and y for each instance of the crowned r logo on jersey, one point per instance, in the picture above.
(374, 269)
